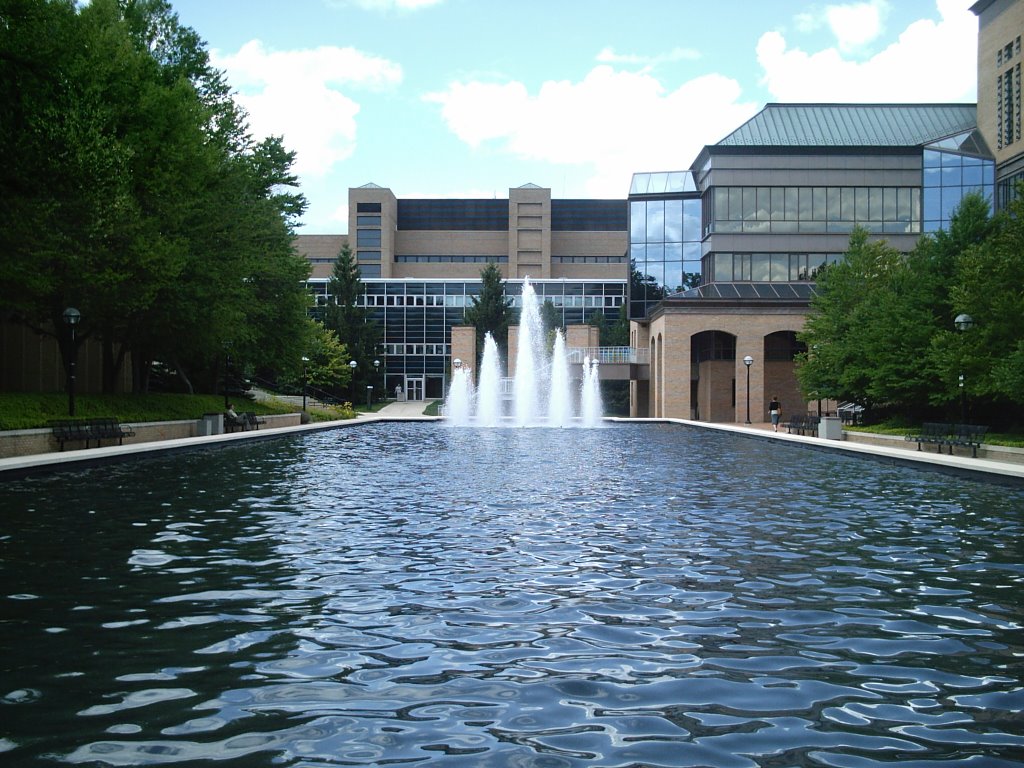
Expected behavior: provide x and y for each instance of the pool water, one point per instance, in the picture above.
(420, 595)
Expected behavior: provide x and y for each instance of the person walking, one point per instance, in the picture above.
(775, 411)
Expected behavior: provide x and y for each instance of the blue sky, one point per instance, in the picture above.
(467, 98)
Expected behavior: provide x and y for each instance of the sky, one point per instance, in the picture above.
(469, 98)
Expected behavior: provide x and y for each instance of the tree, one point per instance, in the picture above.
(490, 311)
(351, 322)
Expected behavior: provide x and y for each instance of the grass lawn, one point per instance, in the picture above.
(20, 410)
(1009, 439)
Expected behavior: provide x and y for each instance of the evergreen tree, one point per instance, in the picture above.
(352, 323)
(490, 310)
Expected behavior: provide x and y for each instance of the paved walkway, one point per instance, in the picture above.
(899, 452)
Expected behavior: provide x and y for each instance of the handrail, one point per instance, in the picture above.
(610, 355)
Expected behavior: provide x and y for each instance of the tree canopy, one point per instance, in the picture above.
(352, 323)
(881, 330)
(490, 311)
(134, 191)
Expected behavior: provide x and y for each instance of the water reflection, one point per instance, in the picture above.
(629, 596)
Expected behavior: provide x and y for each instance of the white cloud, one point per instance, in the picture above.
(297, 94)
(386, 5)
(613, 122)
(856, 25)
(930, 61)
(609, 56)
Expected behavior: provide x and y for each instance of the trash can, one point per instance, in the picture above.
(211, 424)
(830, 428)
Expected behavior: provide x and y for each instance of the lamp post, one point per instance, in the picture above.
(963, 322)
(72, 317)
(352, 367)
(376, 376)
(305, 379)
(369, 396)
(748, 361)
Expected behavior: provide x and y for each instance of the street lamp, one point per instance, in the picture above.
(376, 376)
(963, 322)
(352, 366)
(72, 317)
(748, 361)
(305, 380)
(369, 396)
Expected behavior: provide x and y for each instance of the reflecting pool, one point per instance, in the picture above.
(415, 594)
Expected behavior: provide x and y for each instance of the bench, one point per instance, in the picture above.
(87, 430)
(252, 421)
(235, 424)
(968, 436)
(935, 432)
(941, 433)
(803, 424)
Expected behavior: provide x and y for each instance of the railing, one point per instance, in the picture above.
(610, 355)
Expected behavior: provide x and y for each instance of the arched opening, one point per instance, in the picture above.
(713, 376)
(780, 351)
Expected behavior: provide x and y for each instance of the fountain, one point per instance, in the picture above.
(541, 392)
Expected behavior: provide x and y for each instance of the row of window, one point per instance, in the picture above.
(590, 302)
(475, 259)
(784, 209)
(1007, 51)
(588, 259)
(1008, 104)
(766, 267)
(395, 350)
(453, 259)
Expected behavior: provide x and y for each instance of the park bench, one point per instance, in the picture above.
(235, 424)
(252, 421)
(934, 432)
(966, 435)
(87, 430)
(803, 424)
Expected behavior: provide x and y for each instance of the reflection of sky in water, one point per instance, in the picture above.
(622, 596)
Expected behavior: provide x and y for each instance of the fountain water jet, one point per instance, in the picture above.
(541, 390)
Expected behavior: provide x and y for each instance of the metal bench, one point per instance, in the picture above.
(87, 430)
(803, 424)
(252, 421)
(935, 432)
(966, 435)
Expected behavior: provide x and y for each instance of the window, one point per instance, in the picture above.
(367, 207)
(368, 255)
(368, 221)
(368, 237)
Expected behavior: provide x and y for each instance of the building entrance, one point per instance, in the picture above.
(414, 388)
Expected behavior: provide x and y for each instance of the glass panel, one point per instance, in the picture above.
(676, 181)
(640, 182)
(889, 204)
(780, 267)
(367, 237)
(760, 267)
(749, 204)
(764, 203)
(792, 204)
(368, 221)
(972, 175)
(723, 267)
(673, 221)
(691, 220)
(932, 159)
(904, 209)
(951, 175)
(637, 221)
(658, 182)
(721, 204)
(848, 197)
(778, 203)
(832, 199)
(655, 221)
(368, 255)
(674, 276)
(875, 204)
(820, 211)
(735, 204)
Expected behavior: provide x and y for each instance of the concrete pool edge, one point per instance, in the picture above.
(960, 465)
(23, 466)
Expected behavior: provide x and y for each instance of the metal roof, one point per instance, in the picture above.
(852, 125)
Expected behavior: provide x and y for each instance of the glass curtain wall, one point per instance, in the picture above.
(664, 237)
(953, 168)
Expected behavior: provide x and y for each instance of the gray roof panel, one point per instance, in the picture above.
(852, 125)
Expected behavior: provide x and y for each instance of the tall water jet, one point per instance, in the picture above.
(559, 400)
(460, 397)
(590, 395)
(488, 398)
(527, 379)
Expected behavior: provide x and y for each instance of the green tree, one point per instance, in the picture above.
(490, 311)
(355, 328)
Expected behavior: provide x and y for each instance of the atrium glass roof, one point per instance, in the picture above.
(662, 183)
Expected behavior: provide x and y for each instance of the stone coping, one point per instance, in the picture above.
(898, 452)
